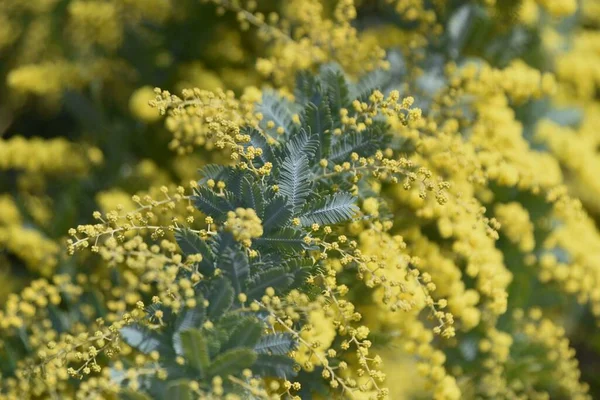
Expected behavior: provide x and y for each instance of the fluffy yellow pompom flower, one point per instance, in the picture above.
(139, 107)
(371, 206)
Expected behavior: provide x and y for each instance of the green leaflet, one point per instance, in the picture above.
(179, 390)
(190, 243)
(246, 333)
(274, 277)
(361, 143)
(318, 120)
(377, 79)
(293, 181)
(215, 172)
(277, 343)
(188, 318)
(280, 366)
(232, 362)
(214, 337)
(236, 267)
(284, 240)
(142, 339)
(336, 91)
(329, 210)
(195, 349)
(277, 214)
(301, 144)
(220, 299)
(307, 88)
(276, 109)
(252, 197)
(211, 203)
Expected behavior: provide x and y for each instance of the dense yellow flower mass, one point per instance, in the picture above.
(244, 224)
(396, 199)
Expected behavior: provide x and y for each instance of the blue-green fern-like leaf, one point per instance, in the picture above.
(337, 91)
(252, 197)
(144, 339)
(276, 278)
(294, 181)
(277, 214)
(375, 80)
(230, 175)
(276, 343)
(236, 267)
(231, 362)
(195, 349)
(307, 89)
(318, 120)
(329, 210)
(188, 318)
(362, 143)
(280, 366)
(276, 109)
(285, 240)
(190, 243)
(246, 333)
(302, 143)
(210, 203)
(216, 172)
(179, 390)
(220, 298)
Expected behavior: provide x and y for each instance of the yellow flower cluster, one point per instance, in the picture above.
(578, 274)
(329, 316)
(302, 37)
(95, 23)
(9, 212)
(116, 224)
(575, 149)
(558, 8)
(427, 264)
(244, 225)
(21, 309)
(12, 10)
(495, 348)
(47, 156)
(319, 334)
(204, 118)
(516, 225)
(473, 239)
(518, 81)
(577, 68)
(552, 337)
(552, 355)
(58, 47)
(46, 79)
(462, 302)
(35, 250)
